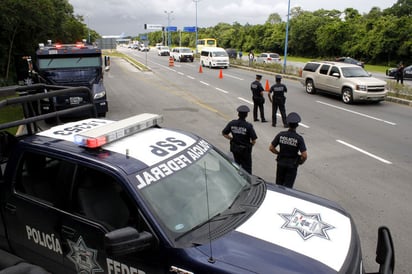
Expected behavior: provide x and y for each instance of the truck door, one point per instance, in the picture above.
(323, 77)
(99, 204)
(31, 212)
(334, 83)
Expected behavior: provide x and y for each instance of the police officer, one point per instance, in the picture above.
(242, 137)
(258, 99)
(277, 98)
(291, 153)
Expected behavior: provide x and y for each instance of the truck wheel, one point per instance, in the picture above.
(310, 87)
(347, 96)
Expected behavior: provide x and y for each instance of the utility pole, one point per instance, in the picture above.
(168, 27)
(196, 1)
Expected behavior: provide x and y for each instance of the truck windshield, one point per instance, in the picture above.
(354, 72)
(72, 62)
(196, 193)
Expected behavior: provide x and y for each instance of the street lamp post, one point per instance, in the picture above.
(286, 39)
(168, 27)
(196, 1)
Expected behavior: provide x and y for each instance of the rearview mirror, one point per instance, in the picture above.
(126, 240)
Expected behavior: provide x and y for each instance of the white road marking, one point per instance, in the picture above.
(222, 90)
(364, 152)
(234, 77)
(358, 113)
(181, 73)
(190, 77)
(204, 83)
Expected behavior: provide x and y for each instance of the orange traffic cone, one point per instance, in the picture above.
(220, 74)
(267, 88)
(171, 61)
(200, 69)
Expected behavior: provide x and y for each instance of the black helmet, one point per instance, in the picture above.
(243, 108)
(293, 118)
(278, 77)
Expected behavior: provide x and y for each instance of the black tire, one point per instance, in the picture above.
(347, 95)
(310, 87)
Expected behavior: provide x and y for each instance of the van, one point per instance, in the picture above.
(214, 57)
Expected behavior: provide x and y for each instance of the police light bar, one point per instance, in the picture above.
(100, 136)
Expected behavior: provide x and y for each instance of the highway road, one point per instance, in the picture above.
(358, 155)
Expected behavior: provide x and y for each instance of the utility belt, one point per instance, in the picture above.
(240, 148)
(288, 161)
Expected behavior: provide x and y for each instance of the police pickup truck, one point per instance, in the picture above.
(131, 197)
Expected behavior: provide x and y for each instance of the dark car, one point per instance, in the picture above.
(407, 72)
(232, 53)
(350, 60)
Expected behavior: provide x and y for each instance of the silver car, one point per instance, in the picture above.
(268, 58)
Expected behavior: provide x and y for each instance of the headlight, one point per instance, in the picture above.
(362, 87)
(99, 95)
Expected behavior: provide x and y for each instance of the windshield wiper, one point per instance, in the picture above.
(196, 227)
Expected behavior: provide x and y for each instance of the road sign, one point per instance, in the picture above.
(153, 26)
(189, 29)
(143, 37)
(170, 28)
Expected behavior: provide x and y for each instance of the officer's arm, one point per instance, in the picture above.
(303, 157)
(227, 136)
(269, 96)
(253, 142)
(273, 149)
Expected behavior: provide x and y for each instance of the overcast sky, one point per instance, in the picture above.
(112, 17)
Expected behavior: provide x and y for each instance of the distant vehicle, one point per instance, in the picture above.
(163, 51)
(71, 65)
(206, 42)
(144, 48)
(268, 58)
(350, 60)
(350, 82)
(158, 45)
(182, 54)
(232, 53)
(407, 72)
(214, 57)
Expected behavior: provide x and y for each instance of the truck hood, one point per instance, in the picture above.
(287, 235)
(369, 81)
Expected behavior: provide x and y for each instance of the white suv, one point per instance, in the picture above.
(163, 51)
(182, 54)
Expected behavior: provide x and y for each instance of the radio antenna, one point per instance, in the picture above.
(211, 259)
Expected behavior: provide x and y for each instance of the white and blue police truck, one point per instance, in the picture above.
(131, 197)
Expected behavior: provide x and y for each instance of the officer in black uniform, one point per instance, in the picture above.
(242, 137)
(291, 153)
(258, 99)
(277, 98)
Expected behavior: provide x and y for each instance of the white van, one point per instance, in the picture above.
(214, 57)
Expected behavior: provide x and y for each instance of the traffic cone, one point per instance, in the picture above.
(220, 74)
(200, 69)
(267, 88)
(171, 61)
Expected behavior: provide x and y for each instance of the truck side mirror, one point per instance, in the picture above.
(385, 253)
(126, 240)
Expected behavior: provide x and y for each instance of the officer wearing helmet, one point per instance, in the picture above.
(277, 98)
(291, 152)
(242, 137)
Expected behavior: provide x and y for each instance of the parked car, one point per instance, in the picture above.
(407, 72)
(267, 58)
(232, 53)
(163, 51)
(350, 60)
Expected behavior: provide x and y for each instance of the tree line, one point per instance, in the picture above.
(377, 37)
